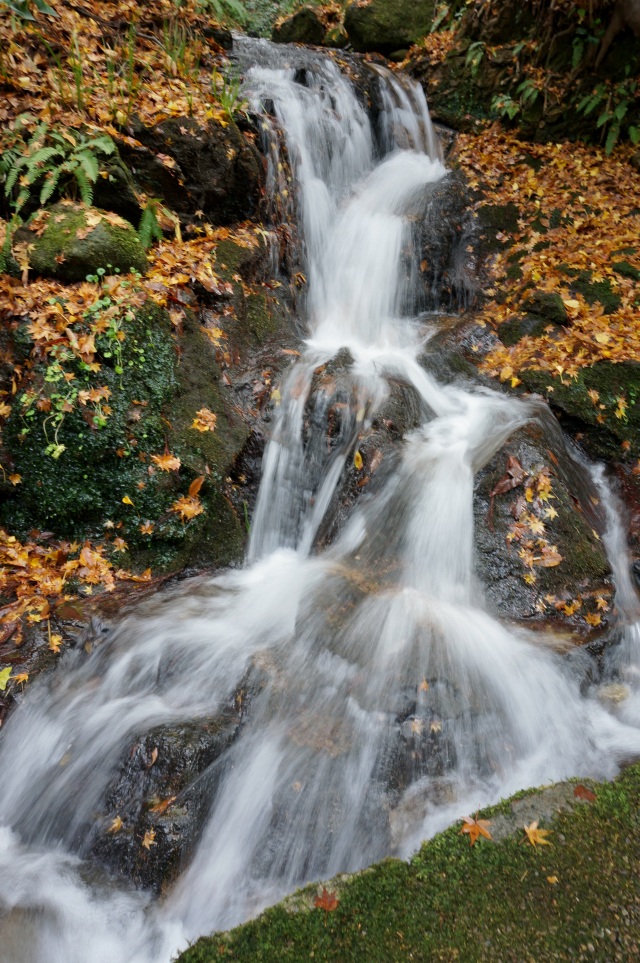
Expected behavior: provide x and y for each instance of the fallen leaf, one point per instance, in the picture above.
(581, 792)
(163, 805)
(326, 901)
(5, 675)
(357, 461)
(475, 828)
(196, 485)
(204, 420)
(166, 462)
(116, 825)
(126, 500)
(149, 839)
(537, 837)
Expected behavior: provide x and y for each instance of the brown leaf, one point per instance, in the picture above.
(581, 792)
(326, 901)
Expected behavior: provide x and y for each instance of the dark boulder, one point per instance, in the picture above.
(211, 171)
(303, 26)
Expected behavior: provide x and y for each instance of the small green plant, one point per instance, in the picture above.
(23, 9)
(505, 106)
(55, 159)
(225, 11)
(613, 102)
(227, 91)
(475, 55)
(75, 63)
(149, 229)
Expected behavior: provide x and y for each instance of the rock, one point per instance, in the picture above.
(192, 168)
(68, 241)
(547, 305)
(446, 264)
(304, 26)
(598, 421)
(517, 533)
(387, 25)
(165, 769)
(336, 37)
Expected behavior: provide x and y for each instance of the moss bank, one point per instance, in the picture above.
(578, 899)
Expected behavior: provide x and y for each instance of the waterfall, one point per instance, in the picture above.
(386, 700)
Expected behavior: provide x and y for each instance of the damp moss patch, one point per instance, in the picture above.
(502, 900)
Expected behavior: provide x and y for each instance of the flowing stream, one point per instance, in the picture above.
(387, 701)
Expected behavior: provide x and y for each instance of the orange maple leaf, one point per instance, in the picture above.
(475, 828)
(166, 462)
(326, 901)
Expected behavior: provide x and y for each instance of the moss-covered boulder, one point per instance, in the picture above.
(600, 405)
(387, 25)
(68, 241)
(304, 26)
(502, 899)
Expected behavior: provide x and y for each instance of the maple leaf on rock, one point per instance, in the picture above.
(475, 828)
(537, 837)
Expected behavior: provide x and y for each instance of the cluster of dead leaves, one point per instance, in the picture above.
(153, 59)
(579, 211)
(41, 573)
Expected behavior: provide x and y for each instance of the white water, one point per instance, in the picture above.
(347, 755)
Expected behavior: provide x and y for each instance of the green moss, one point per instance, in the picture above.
(500, 901)
(626, 270)
(59, 253)
(603, 429)
(593, 291)
(154, 401)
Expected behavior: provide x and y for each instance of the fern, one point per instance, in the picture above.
(149, 229)
(52, 160)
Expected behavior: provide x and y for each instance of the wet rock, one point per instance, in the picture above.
(164, 786)
(447, 266)
(387, 25)
(69, 241)
(304, 26)
(538, 547)
(547, 305)
(212, 169)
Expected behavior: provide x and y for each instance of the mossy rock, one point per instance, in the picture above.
(69, 241)
(603, 426)
(387, 25)
(304, 26)
(548, 305)
(99, 473)
(73, 489)
(499, 900)
(336, 37)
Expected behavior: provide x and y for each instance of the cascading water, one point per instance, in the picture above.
(387, 701)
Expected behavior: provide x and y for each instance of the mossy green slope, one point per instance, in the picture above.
(577, 899)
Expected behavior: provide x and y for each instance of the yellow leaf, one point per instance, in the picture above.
(205, 420)
(149, 839)
(188, 507)
(15, 479)
(602, 338)
(507, 372)
(537, 837)
(55, 641)
(357, 461)
(166, 462)
(126, 500)
(5, 675)
(593, 618)
(116, 825)
(552, 880)
(21, 678)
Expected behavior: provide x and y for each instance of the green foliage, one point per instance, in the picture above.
(23, 8)
(225, 11)
(55, 160)
(505, 106)
(227, 91)
(475, 55)
(149, 229)
(613, 101)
